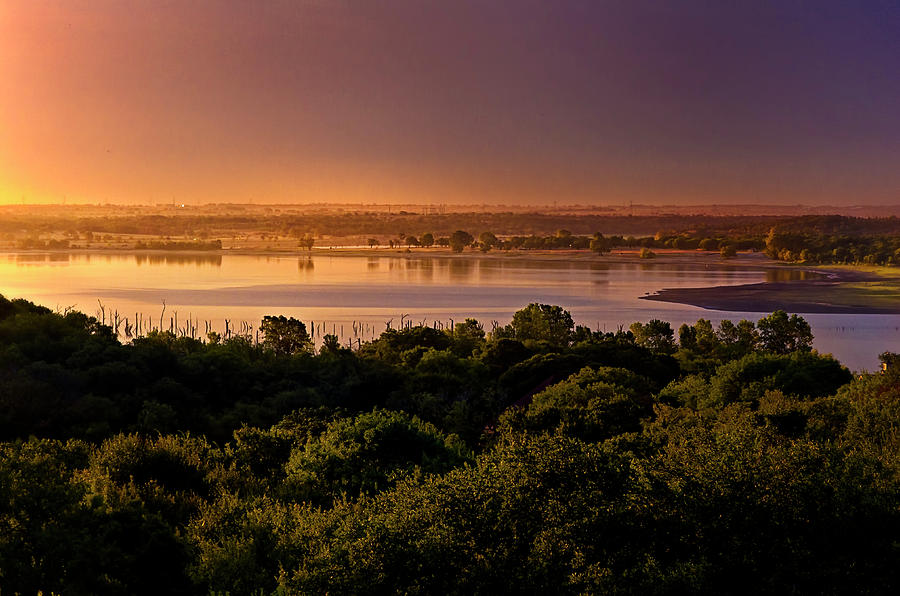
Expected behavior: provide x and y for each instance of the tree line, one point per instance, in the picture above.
(687, 231)
(789, 245)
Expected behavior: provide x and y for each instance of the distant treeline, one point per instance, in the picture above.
(564, 239)
(540, 457)
(786, 244)
(36, 243)
(820, 239)
(393, 225)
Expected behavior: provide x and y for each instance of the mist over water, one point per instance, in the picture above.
(356, 297)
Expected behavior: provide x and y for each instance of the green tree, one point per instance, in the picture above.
(781, 334)
(427, 240)
(285, 336)
(467, 336)
(367, 454)
(459, 240)
(592, 404)
(330, 344)
(705, 336)
(738, 339)
(657, 336)
(487, 240)
(687, 337)
(599, 244)
(525, 517)
(709, 244)
(543, 322)
(800, 374)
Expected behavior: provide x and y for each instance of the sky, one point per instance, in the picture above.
(455, 101)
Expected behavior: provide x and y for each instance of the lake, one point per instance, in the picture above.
(358, 296)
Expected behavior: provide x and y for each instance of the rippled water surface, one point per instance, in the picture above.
(357, 296)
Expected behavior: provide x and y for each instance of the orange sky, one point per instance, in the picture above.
(416, 101)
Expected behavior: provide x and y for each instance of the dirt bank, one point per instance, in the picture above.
(844, 291)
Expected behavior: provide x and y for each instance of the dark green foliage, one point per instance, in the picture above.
(539, 371)
(542, 322)
(836, 240)
(736, 340)
(592, 404)
(285, 335)
(689, 391)
(535, 459)
(406, 345)
(802, 374)
(620, 351)
(657, 336)
(459, 240)
(534, 515)
(366, 454)
(743, 506)
(467, 337)
(782, 334)
(502, 353)
(61, 536)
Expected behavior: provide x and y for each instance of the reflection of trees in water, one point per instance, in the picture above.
(421, 268)
(373, 263)
(54, 257)
(174, 259)
(790, 275)
(461, 269)
(305, 264)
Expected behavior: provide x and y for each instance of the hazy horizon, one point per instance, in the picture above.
(465, 103)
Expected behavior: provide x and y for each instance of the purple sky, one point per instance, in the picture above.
(513, 101)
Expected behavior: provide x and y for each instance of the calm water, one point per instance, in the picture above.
(357, 296)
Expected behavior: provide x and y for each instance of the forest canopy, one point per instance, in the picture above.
(539, 457)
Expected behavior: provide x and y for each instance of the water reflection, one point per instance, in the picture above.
(174, 259)
(461, 269)
(791, 275)
(424, 269)
(38, 258)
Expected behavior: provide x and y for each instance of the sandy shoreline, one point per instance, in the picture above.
(836, 292)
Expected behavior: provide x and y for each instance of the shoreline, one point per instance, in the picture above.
(838, 291)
